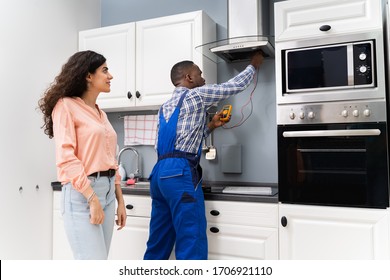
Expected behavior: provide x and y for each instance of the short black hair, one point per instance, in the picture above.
(179, 70)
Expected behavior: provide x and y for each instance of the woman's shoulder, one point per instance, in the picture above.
(66, 103)
(69, 101)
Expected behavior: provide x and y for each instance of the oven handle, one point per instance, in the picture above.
(327, 133)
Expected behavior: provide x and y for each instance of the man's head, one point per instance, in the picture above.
(187, 74)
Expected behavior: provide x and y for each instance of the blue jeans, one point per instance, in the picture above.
(88, 241)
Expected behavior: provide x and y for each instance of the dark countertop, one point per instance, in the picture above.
(212, 191)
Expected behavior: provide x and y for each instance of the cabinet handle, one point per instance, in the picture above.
(214, 229)
(283, 220)
(214, 212)
(129, 206)
(137, 94)
(129, 95)
(325, 27)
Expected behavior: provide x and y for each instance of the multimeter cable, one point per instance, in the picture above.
(243, 118)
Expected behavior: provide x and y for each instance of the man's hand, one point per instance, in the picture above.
(257, 59)
(216, 121)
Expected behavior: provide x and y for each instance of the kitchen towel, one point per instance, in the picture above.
(140, 129)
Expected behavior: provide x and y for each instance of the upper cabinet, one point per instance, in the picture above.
(315, 19)
(140, 56)
(117, 44)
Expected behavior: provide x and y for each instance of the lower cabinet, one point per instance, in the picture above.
(61, 247)
(333, 233)
(129, 243)
(259, 231)
(242, 230)
(236, 230)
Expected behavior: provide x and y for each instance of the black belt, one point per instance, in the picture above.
(107, 173)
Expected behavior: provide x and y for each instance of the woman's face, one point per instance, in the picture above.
(101, 79)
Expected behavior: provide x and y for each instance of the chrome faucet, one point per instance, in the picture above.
(137, 173)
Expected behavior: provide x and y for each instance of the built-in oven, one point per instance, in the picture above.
(340, 164)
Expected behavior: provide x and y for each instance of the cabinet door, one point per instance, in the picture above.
(302, 19)
(242, 213)
(161, 43)
(234, 242)
(117, 44)
(314, 232)
(129, 243)
(61, 247)
(242, 230)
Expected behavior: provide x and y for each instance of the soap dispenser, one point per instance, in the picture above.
(122, 172)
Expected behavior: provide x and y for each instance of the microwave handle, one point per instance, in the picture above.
(327, 133)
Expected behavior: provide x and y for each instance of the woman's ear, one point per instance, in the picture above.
(89, 78)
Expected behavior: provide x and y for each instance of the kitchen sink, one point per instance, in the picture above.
(138, 185)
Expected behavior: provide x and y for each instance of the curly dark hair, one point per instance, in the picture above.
(71, 82)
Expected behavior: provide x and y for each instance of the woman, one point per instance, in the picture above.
(85, 154)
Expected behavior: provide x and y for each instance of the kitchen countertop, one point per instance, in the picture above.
(212, 191)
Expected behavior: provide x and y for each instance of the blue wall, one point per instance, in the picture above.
(257, 135)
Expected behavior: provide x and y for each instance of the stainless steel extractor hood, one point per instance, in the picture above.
(248, 31)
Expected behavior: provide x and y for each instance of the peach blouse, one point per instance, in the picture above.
(85, 142)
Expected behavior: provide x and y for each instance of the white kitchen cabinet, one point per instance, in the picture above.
(117, 44)
(129, 243)
(333, 233)
(301, 19)
(141, 54)
(242, 230)
(61, 247)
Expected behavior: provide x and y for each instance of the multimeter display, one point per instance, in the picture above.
(226, 112)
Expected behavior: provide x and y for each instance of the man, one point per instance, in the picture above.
(178, 210)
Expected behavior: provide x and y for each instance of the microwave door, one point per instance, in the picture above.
(319, 68)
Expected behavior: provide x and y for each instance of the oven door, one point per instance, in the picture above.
(334, 164)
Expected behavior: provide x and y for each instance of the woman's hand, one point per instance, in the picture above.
(121, 210)
(96, 211)
(121, 214)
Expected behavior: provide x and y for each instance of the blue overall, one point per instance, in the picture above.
(178, 210)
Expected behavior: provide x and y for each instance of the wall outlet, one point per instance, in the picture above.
(211, 154)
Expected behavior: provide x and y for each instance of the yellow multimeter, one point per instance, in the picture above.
(226, 113)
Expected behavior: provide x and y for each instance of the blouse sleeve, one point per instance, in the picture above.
(68, 165)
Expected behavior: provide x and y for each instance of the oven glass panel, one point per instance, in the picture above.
(334, 170)
(317, 68)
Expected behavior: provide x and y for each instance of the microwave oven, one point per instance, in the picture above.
(330, 67)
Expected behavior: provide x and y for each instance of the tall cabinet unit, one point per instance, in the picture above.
(326, 233)
(308, 232)
(141, 54)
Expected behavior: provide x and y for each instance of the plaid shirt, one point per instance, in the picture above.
(191, 127)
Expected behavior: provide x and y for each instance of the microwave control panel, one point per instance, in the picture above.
(362, 58)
